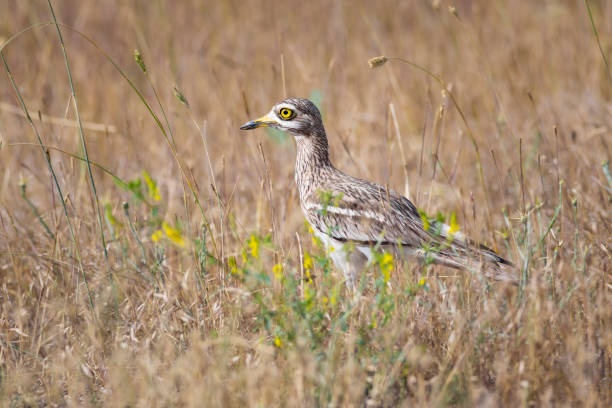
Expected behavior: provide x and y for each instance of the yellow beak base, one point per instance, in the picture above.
(264, 121)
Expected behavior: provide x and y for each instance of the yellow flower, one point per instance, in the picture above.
(115, 224)
(454, 227)
(232, 264)
(374, 322)
(386, 265)
(504, 234)
(277, 342)
(152, 186)
(253, 244)
(157, 235)
(309, 294)
(307, 261)
(315, 240)
(422, 281)
(334, 295)
(173, 234)
(278, 271)
(424, 219)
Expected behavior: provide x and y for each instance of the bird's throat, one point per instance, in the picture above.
(312, 159)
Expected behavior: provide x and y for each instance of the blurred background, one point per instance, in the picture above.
(528, 76)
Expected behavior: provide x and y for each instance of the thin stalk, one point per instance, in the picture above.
(126, 211)
(35, 211)
(214, 184)
(606, 170)
(441, 82)
(401, 149)
(75, 156)
(144, 102)
(202, 131)
(86, 154)
(157, 122)
(173, 145)
(55, 181)
(19, 33)
(522, 181)
(83, 144)
(603, 54)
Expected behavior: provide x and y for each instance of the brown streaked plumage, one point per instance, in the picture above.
(342, 209)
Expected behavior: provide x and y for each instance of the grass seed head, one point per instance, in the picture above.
(179, 95)
(377, 61)
(140, 61)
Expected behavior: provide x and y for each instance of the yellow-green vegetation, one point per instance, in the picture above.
(151, 254)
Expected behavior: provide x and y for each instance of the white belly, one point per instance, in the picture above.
(350, 262)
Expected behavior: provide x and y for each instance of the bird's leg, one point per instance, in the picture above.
(356, 261)
(349, 260)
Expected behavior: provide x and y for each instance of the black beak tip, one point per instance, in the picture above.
(249, 125)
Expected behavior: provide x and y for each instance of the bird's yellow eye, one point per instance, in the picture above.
(286, 113)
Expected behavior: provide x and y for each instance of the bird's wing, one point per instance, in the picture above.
(354, 210)
(351, 209)
(359, 211)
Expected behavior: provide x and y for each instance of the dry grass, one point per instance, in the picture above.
(246, 311)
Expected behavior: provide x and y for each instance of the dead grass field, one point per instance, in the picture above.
(231, 302)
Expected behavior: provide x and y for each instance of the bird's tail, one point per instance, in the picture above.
(458, 251)
(481, 258)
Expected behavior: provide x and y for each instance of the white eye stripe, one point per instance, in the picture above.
(292, 124)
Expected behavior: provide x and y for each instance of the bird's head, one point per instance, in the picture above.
(299, 117)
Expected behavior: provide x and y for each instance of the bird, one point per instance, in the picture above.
(355, 218)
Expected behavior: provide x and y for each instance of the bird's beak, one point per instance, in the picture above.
(264, 121)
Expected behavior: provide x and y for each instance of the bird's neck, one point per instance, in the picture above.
(312, 162)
